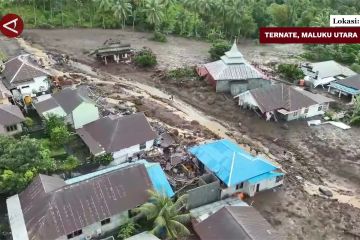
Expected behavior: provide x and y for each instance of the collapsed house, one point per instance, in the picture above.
(80, 208)
(349, 86)
(122, 136)
(74, 105)
(284, 102)
(232, 73)
(238, 170)
(236, 222)
(323, 73)
(11, 119)
(24, 77)
(115, 49)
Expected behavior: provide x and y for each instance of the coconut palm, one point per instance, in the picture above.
(122, 9)
(165, 214)
(155, 12)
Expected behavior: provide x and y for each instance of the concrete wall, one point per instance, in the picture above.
(4, 100)
(204, 194)
(96, 228)
(312, 111)
(39, 83)
(3, 130)
(123, 155)
(239, 86)
(250, 188)
(84, 114)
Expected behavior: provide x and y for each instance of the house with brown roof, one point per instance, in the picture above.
(121, 136)
(236, 223)
(232, 73)
(24, 77)
(75, 105)
(11, 118)
(284, 102)
(53, 209)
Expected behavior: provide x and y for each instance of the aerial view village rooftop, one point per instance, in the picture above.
(156, 119)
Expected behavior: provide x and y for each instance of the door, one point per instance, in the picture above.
(258, 187)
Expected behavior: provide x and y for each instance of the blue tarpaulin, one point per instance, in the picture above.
(158, 179)
(218, 157)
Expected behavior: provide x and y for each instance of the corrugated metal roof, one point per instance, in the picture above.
(330, 69)
(236, 223)
(351, 82)
(21, 69)
(49, 215)
(10, 114)
(218, 157)
(282, 96)
(114, 133)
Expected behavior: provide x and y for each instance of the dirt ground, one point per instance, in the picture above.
(311, 156)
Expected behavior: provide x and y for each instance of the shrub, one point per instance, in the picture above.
(145, 58)
(127, 230)
(104, 159)
(187, 72)
(355, 67)
(159, 37)
(218, 49)
(290, 71)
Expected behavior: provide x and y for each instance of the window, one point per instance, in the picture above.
(25, 87)
(11, 128)
(295, 114)
(279, 178)
(320, 108)
(105, 221)
(306, 110)
(240, 186)
(74, 234)
(142, 146)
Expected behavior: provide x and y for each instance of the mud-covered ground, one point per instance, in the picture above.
(311, 156)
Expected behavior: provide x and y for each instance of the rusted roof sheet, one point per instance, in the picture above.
(68, 208)
(10, 114)
(236, 223)
(114, 133)
(22, 69)
(282, 96)
(352, 82)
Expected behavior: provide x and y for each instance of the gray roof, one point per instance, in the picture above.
(330, 69)
(114, 133)
(10, 114)
(52, 209)
(22, 69)
(351, 82)
(69, 98)
(232, 66)
(281, 96)
(236, 223)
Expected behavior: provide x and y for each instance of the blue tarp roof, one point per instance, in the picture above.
(217, 156)
(156, 175)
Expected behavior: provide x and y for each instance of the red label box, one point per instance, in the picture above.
(309, 35)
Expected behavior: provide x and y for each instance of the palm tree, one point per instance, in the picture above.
(165, 214)
(154, 11)
(122, 9)
(104, 6)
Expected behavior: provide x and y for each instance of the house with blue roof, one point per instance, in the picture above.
(237, 169)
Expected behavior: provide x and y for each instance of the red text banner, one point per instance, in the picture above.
(309, 35)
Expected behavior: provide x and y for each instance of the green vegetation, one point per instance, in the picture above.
(218, 49)
(291, 72)
(145, 58)
(104, 159)
(127, 230)
(159, 37)
(57, 130)
(20, 161)
(355, 116)
(179, 73)
(166, 216)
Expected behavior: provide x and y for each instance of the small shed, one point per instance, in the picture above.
(114, 49)
(349, 86)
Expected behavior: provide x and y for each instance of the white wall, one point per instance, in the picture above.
(5, 132)
(123, 155)
(250, 189)
(94, 229)
(36, 85)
